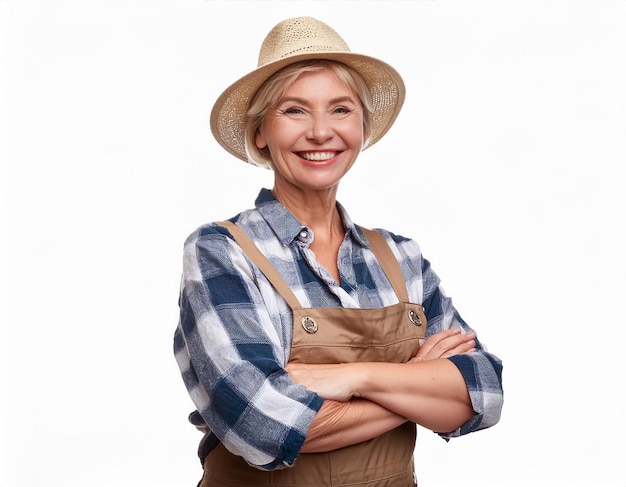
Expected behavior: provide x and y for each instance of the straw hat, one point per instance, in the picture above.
(294, 40)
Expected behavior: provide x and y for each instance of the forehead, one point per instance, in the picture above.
(318, 84)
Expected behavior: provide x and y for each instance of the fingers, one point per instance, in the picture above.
(324, 379)
(445, 344)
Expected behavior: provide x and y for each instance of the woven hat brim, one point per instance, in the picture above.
(228, 116)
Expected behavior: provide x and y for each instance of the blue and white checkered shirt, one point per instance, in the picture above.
(234, 335)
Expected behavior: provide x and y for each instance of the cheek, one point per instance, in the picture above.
(359, 134)
(355, 131)
(367, 133)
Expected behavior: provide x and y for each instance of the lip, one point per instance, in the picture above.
(318, 157)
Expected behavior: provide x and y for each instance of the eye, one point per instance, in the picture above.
(293, 111)
(290, 110)
(341, 110)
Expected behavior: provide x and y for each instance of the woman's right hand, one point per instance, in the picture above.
(445, 344)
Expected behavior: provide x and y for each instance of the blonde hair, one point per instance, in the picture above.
(274, 88)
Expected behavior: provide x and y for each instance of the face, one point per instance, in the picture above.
(314, 133)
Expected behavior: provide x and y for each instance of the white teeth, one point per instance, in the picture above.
(317, 156)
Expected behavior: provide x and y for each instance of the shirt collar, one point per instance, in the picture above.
(287, 228)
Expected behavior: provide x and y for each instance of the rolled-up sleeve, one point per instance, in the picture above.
(231, 355)
(481, 370)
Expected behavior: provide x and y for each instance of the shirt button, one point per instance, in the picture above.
(303, 235)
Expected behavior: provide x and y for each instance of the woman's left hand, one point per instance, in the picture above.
(330, 381)
(341, 382)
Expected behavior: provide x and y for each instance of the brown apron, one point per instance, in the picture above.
(333, 335)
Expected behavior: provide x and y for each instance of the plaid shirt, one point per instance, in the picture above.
(234, 335)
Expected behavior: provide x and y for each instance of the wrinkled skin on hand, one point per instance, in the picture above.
(445, 344)
(340, 382)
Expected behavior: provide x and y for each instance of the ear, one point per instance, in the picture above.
(259, 140)
(367, 133)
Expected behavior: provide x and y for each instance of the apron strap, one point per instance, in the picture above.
(381, 250)
(263, 263)
(388, 262)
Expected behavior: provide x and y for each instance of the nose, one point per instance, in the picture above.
(320, 128)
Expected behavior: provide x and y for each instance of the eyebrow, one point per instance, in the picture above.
(339, 99)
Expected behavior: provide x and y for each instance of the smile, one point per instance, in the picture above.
(317, 156)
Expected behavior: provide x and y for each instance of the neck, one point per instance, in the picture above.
(316, 210)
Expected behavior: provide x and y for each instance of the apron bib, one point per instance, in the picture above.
(333, 335)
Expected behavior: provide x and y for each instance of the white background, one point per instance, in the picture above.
(507, 164)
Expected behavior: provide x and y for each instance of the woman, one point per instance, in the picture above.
(310, 346)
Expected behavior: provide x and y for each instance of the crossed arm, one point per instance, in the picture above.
(366, 399)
